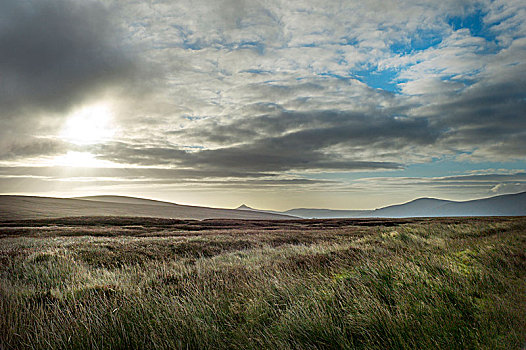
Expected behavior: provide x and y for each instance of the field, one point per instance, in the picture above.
(135, 283)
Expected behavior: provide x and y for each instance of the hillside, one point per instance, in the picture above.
(29, 207)
(417, 207)
(327, 213)
(125, 200)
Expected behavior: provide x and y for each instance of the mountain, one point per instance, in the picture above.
(503, 205)
(417, 207)
(30, 207)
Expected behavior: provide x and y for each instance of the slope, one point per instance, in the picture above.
(30, 207)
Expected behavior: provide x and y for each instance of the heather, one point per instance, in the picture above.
(116, 283)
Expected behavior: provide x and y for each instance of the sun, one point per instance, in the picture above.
(89, 125)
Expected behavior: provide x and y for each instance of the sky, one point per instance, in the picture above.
(275, 104)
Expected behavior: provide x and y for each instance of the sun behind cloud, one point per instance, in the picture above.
(89, 125)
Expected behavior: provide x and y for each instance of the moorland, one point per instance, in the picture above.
(151, 283)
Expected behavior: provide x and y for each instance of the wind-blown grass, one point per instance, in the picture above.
(324, 284)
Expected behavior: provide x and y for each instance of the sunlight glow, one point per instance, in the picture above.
(89, 125)
(80, 159)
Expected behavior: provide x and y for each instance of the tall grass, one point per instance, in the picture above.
(430, 284)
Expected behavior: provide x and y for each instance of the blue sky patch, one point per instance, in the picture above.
(422, 40)
(474, 22)
(379, 79)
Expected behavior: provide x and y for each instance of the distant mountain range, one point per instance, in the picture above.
(503, 205)
(31, 207)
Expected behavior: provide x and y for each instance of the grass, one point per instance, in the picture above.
(114, 283)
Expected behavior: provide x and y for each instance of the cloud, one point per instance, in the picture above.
(259, 158)
(257, 90)
(56, 54)
(286, 141)
(46, 178)
(503, 188)
(453, 186)
(30, 147)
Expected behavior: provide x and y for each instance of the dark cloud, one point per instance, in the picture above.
(15, 178)
(31, 147)
(302, 141)
(237, 160)
(126, 173)
(485, 184)
(489, 117)
(486, 178)
(55, 54)
(32, 183)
